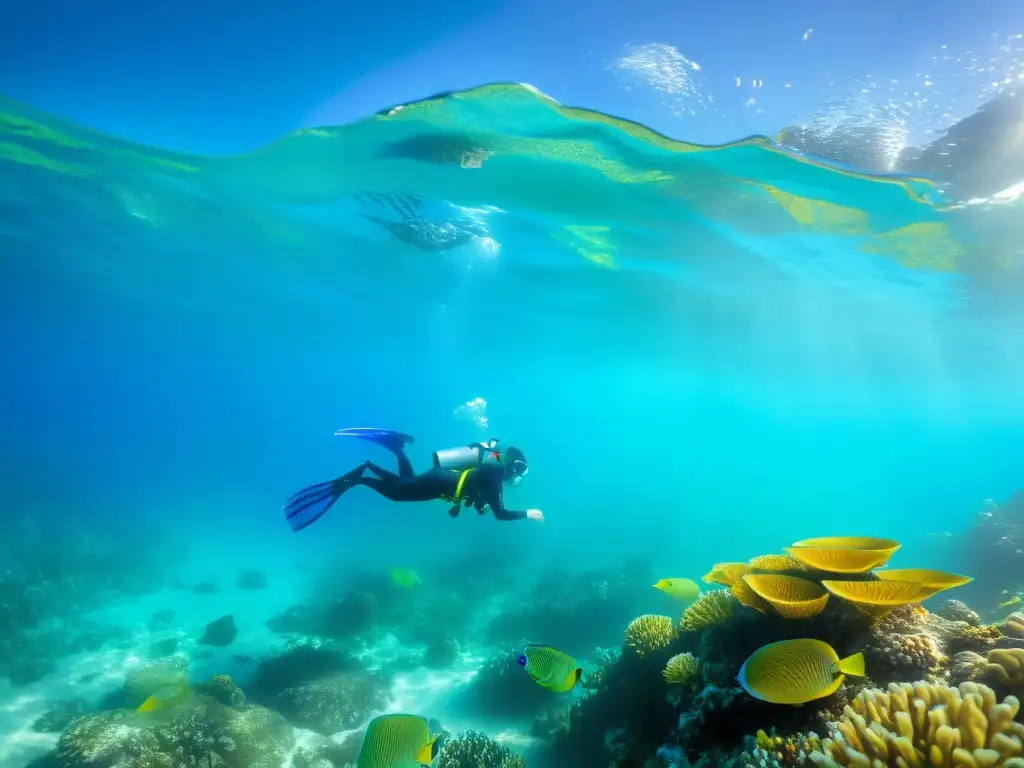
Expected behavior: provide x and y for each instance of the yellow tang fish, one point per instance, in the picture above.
(397, 741)
(406, 578)
(168, 696)
(550, 668)
(681, 589)
(796, 671)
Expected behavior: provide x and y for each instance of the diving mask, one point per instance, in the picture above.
(518, 470)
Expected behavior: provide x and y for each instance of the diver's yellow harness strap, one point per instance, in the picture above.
(458, 488)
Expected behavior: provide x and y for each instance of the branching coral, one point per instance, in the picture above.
(475, 750)
(926, 725)
(681, 669)
(1004, 668)
(709, 610)
(649, 633)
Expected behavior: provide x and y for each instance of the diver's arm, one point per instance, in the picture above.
(495, 500)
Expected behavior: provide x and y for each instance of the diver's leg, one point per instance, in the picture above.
(310, 504)
(417, 488)
(382, 473)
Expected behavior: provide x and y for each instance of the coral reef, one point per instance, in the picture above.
(925, 724)
(956, 636)
(765, 750)
(955, 610)
(1004, 670)
(220, 632)
(334, 704)
(904, 657)
(205, 732)
(475, 750)
(682, 669)
(964, 666)
(502, 689)
(441, 653)
(1013, 625)
(649, 633)
(144, 681)
(251, 580)
(575, 610)
(710, 609)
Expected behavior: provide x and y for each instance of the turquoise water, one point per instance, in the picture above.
(706, 353)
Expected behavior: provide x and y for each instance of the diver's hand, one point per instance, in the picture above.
(535, 514)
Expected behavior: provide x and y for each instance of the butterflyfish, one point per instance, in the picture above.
(796, 671)
(167, 696)
(397, 741)
(406, 578)
(550, 668)
(681, 589)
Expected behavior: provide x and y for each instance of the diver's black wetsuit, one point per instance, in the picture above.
(480, 486)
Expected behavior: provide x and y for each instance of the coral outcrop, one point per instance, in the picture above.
(649, 633)
(709, 610)
(926, 725)
(475, 750)
(203, 732)
(682, 669)
(1004, 670)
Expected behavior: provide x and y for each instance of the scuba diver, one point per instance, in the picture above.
(470, 475)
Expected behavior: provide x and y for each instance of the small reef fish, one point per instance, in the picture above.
(397, 741)
(681, 589)
(550, 668)
(406, 578)
(168, 696)
(796, 671)
(1013, 601)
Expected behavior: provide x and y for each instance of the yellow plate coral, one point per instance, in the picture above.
(879, 593)
(844, 554)
(790, 596)
(776, 563)
(748, 597)
(938, 580)
(725, 574)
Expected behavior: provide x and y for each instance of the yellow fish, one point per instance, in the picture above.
(406, 578)
(397, 741)
(681, 589)
(168, 696)
(1015, 600)
(796, 671)
(550, 668)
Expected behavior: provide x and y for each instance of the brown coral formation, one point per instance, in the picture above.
(956, 636)
(1013, 625)
(904, 657)
(1004, 669)
(924, 725)
(955, 610)
(965, 666)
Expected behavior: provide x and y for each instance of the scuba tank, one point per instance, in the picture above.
(468, 456)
